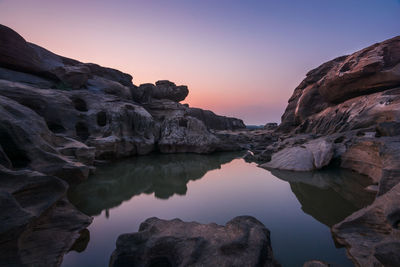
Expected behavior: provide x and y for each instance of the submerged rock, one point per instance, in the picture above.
(243, 241)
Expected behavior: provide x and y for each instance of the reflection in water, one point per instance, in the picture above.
(125, 193)
(329, 195)
(163, 175)
(82, 241)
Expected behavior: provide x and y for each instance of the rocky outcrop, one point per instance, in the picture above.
(243, 241)
(38, 225)
(58, 119)
(350, 104)
(16, 53)
(26, 142)
(346, 113)
(375, 68)
(186, 134)
(372, 234)
(216, 122)
(98, 109)
(311, 156)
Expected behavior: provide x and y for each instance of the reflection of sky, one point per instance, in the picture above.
(238, 188)
(241, 58)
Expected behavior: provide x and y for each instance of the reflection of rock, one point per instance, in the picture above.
(372, 235)
(330, 195)
(163, 175)
(243, 241)
(82, 241)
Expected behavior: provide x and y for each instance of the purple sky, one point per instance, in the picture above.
(239, 58)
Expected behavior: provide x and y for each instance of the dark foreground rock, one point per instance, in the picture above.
(38, 225)
(243, 241)
(372, 234)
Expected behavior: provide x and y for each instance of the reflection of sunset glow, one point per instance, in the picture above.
(237, 59)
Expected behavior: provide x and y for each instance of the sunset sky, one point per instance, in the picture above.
(239, 58)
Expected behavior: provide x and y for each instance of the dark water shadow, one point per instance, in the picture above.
(329, 195)
(163, 175)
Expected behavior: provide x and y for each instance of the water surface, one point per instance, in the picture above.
(298, 208)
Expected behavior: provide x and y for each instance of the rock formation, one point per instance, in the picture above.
(38, 225)
(372, 234)
(243, 241)
(60, 117)
(346, 113)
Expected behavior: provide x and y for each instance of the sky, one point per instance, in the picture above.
(240, 58)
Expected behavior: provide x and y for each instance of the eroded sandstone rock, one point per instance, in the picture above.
(243, 241)
(186, 134)
(310, 156)
(372, 234)
(38, 226)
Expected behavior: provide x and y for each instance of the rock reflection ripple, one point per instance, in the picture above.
(329, 195)
(163, 175)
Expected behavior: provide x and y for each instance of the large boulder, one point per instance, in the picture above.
(168, 90)
(243, 241)
(307, 157)
(215, 122)
(186, 134)
(162, 90)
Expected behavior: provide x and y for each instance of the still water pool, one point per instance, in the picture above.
(298, 208)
